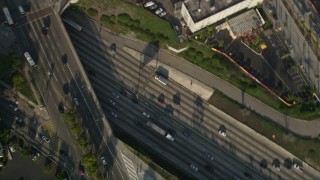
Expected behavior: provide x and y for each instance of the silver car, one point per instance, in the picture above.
(158, 11)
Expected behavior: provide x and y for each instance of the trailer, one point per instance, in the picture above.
(159, 130)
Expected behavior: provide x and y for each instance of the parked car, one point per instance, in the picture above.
(15, 108)
(158, 11)
(17, 119)
(163, 13)
(36, 156)
(148, 4)
(153, 7)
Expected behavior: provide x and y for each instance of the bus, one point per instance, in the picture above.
(8, 16)
(73, 24)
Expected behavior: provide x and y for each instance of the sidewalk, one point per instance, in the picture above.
(308, 129)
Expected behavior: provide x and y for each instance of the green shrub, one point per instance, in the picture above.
(76, 129)
(92, 12)
(124, 18)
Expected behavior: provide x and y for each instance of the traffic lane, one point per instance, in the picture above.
(130, 113)
(175, 149)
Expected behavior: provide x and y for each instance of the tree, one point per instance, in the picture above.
(76, 129)
(69, 116)
(88, 160)
(47, 167)
(4, 136)
(82, 141)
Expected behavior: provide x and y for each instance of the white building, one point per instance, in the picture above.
(199, 14)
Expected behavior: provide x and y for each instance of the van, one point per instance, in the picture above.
(21, 10)
(29, 59)
(150, 3)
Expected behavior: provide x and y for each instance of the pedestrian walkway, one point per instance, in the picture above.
(192, 84)
(130, 167)
(48, 127)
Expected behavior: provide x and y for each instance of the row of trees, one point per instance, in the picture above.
(125, 20)
(76, 128)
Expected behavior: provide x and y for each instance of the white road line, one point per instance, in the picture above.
(130, 167)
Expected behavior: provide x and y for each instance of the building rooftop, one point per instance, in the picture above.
(245, 22)
(200, 9)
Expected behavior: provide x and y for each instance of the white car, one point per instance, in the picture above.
(146, 114)
(112, 102)
(15, 108)
(46, 139)
(76, 102)
(194, 167)
(163, 13)
(158, 11)
(35, 157)
(298, 167)
(12, 149)
(114, 114)
(224, 134)
(29, 59)
(115, 95)
(104, 161)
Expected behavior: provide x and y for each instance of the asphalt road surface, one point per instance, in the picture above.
(241, 151)
(59, 79)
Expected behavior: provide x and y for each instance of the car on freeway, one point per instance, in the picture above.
(104, 161)
(153, 7)
(276, 164)
(146, 114)
(163, 13)
(115, 95)
(298, 167)
(115, 115)
(29, 59)
(209, 168)
(45, 31)
(186, 133)
(194, 167)
(76, 102)
(223, 130)
(209, 156)
(12, 149)
(46, 139)
(236, 177)
(15, 108)
(158, 11)
(112, 102)
(248, 175)
(36, 156)
(224, 134)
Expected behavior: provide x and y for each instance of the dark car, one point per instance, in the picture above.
(81, 170)
(247, 175)
(209, 168)
(45, 31)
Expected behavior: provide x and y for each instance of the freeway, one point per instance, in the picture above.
(243, 150)
(60, 79)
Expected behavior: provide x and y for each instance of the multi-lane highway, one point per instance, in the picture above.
(241, 153)
(60, 78)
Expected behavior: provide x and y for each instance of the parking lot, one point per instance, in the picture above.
(24, 168)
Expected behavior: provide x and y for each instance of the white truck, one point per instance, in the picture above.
(161, 79)
(160, 130)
